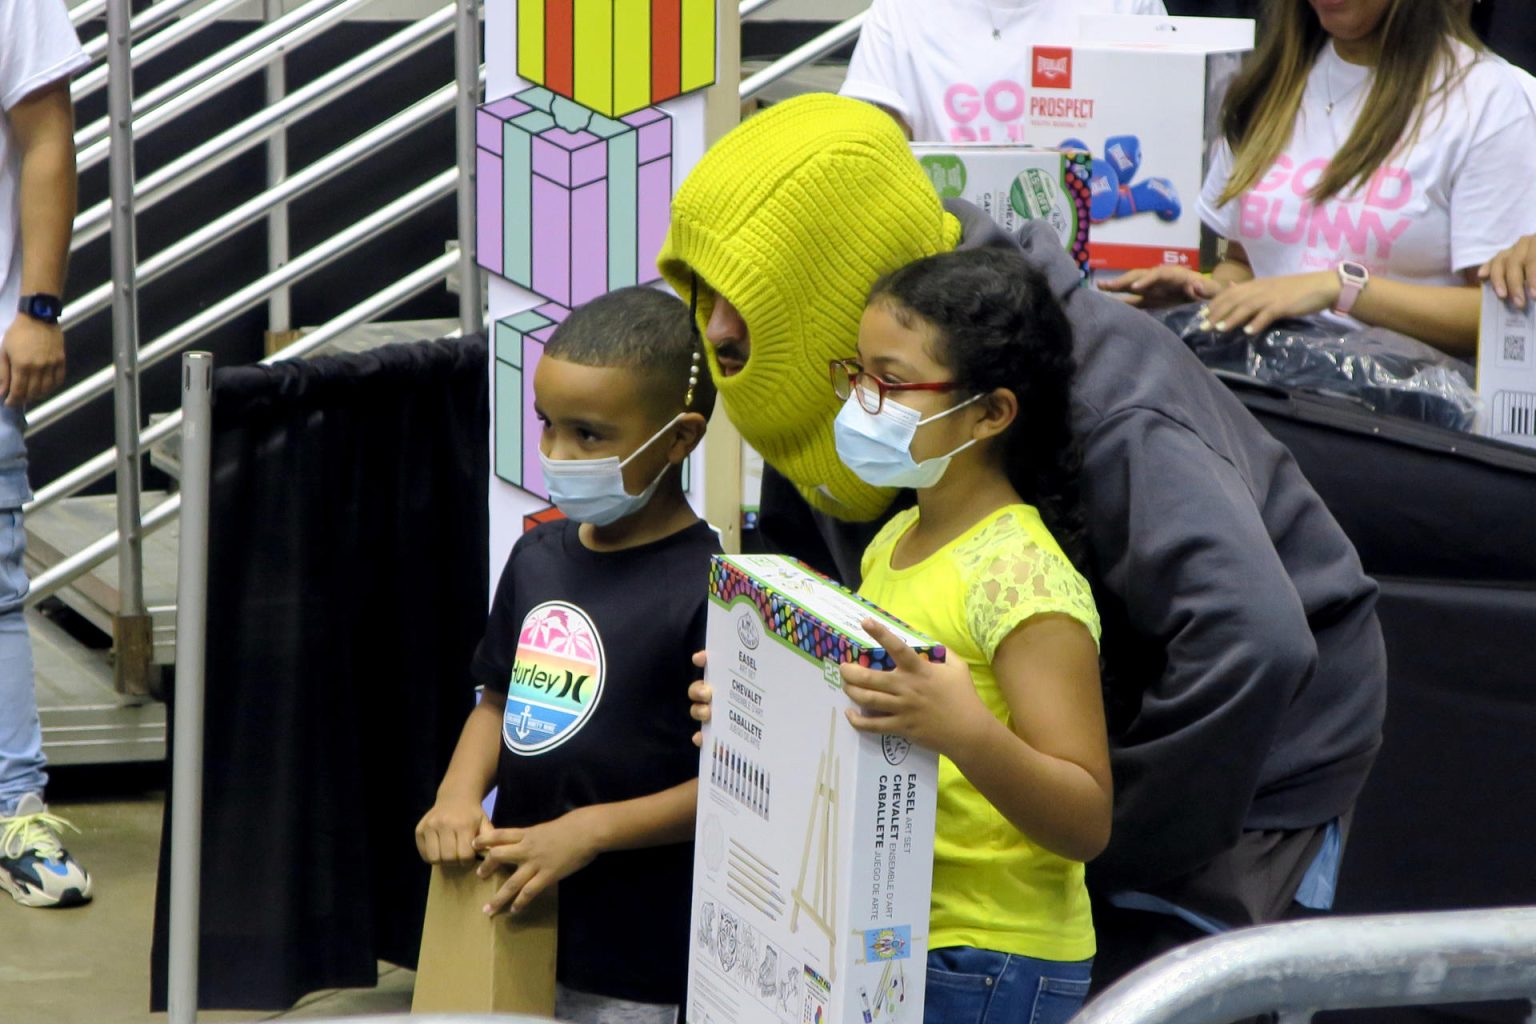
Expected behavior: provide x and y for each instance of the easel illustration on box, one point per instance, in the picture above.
(821, 832)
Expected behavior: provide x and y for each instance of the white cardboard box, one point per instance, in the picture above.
(1166, 95)
(1506, 371)
(1014, 184)
(814, 860)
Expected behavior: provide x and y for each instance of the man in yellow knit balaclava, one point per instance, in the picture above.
(793, 216)
(1245, 660)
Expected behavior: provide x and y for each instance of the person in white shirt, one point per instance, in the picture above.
(1374, 156)
(38, 53)
(950, 72)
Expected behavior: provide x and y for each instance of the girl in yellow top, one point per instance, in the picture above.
(960, 391)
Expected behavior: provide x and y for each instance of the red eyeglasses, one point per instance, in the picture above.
(850, 378)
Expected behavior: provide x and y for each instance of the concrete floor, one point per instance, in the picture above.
(90, 965)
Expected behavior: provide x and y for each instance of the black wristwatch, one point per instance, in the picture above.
(47, 308)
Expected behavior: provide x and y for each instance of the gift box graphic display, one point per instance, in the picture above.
(617, 56)
(519, 342)
(570, 204)
(813, 862)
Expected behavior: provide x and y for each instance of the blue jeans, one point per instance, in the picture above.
(978, 986)
(21, 738)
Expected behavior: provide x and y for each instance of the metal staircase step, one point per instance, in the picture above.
(84, 720)
(68, 526)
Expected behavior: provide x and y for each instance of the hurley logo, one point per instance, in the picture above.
(1052, 67)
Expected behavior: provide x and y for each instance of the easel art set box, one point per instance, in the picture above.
(814, 855)
(1506, 371)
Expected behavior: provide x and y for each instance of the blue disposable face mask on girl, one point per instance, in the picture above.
(878, 446)
(592, 490)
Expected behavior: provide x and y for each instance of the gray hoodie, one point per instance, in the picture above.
(1244, 666)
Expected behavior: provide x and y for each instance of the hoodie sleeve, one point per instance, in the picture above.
(1188, 567)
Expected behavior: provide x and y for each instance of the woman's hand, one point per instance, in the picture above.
(701, 694)
(538, 857)
(1512, 273)
(1156, 287)
(1254, 305)
(933, 705)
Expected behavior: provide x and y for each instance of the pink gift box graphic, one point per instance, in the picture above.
(571, 204)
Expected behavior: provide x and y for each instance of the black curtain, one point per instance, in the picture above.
(1445, 523)
(347, 588)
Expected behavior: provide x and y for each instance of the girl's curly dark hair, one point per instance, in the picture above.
(998, 325)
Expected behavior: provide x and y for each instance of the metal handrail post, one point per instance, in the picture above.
(466, 61)
(86, 11)
(191, 665)
(132, 630)
(279, 308)
(802, 55)
(1301, 967)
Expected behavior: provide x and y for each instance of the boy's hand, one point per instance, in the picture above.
(446, 833)
(933, 705)
(539, 857)
(701, 694)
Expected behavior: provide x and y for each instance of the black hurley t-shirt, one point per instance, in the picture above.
(593, 652)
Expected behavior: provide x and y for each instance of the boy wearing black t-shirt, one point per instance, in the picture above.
(582, 727)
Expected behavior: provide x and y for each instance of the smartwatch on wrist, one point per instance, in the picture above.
(1353, 277)
(46, 308)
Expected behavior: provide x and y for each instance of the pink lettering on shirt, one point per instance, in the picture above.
(962, 102)
(1367, 225)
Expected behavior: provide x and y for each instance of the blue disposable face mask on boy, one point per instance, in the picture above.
(592, 490)
(878, 446)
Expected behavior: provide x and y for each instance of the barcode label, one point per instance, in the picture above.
(1514, 414)
(1516, 350)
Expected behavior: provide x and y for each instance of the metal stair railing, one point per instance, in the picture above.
(55, 578)
(220, 69)
(260, 50)
(1302, 967)
(293, 186)
(233, 305)
(253, 131)
(147, 22)
(173, 341)
(157, 28)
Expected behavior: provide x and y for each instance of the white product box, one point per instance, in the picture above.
(1148, 108)
(1017, 183)
(814, 860)
(1506, 371)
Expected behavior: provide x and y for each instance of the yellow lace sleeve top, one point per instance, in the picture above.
(993, 888)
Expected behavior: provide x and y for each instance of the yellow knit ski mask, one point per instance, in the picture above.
(793, 216)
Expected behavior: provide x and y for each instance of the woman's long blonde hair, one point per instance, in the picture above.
(1416, 60)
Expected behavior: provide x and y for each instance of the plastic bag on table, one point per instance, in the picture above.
(1387, 372)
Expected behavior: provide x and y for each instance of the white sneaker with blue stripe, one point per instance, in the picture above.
(34, 866)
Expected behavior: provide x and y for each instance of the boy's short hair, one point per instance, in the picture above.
(642, 329)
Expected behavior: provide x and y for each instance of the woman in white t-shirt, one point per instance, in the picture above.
(1374, 156)
(950, 71)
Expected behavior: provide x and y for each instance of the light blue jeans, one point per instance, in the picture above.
(978, 986)
(21, 739)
